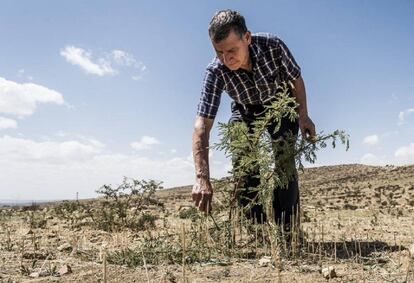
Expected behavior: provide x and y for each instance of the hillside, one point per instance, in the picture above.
(357, 219)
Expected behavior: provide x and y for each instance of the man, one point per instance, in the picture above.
(249, 68)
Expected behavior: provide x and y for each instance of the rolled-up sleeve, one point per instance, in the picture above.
(213, 87)
(289, 65)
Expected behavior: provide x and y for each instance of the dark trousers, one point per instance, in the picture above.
(285, 200)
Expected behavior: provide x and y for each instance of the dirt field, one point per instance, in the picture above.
(358, 220)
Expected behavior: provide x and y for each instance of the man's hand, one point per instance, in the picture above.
(202, 195)
(307, 128)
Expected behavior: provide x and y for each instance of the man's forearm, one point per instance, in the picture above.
(202, 192)
(300, 95)
(200, 153)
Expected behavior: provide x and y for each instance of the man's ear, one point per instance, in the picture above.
(248, 37)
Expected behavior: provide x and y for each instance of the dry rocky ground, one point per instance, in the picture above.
(358, 221)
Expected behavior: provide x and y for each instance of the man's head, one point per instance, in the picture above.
(230, 38)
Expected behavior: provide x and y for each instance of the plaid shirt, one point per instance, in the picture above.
(272, 64)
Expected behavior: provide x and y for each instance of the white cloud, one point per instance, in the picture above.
(80, 57)
(103, 65)
(55, 170)
(173, 150)
(145, 143)
(6, 123)
(123, 58)
(26, 150)
(405, 153)
(22, 99)
(403, 115)
(371, 140)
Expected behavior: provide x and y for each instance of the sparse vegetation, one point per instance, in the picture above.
(123, 206)
(36, 219)
(158, 234)
(360, 243)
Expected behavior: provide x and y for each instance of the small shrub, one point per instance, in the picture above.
(32, 207)
(36, 220)
(145, 221)
(189, 213)
(73, 211)
(123, 205)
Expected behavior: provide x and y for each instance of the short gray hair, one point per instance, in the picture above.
(225, 21)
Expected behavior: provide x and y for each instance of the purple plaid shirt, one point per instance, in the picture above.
(272, 64)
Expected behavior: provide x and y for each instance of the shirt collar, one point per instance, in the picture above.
(254, 52)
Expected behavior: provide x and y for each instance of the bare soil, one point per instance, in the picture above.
(358, 219)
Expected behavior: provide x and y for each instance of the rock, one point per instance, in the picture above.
(65, 247)
(411, 249)
(38, 274)
(34, 274)
(64, 269)
(265, 261)
(328, 272)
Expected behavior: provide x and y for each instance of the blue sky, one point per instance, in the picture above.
(91, 91)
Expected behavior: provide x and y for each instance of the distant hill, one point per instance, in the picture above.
(345, 186)
(10, 202)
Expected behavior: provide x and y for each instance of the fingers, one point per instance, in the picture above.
(197, 199)
(205, 203)
(196, 194)
(308, 132)
(202, 198)
(209, 207)
(303, 132)
(311, 129)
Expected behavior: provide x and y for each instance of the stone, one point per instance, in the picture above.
(34, 274)
(328, 272)
(265, 261)
(411, 249)
(64, 269)
(38, 274)
(65, 247)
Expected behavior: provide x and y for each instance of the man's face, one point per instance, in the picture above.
(233, 51)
